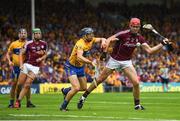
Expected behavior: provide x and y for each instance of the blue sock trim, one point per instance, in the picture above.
(64, 105)
(66, 90)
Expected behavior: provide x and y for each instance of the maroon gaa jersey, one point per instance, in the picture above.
(35, 50)
(126, 44)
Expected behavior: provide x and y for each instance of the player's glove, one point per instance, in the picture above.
(103, 56)
(168, 44)
(169, 47)
(165, 41)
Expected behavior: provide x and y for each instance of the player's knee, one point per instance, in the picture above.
(136, 84)
(98, 81)
(13, 88)
(13, 84)
(77, 88)
(27, 85)
(20, 82)
(84, 89)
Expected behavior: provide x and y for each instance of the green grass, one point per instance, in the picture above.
(106, 106)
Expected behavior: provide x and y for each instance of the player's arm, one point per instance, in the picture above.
(82, 58)
(111, 39)
(44, 54)
(154, 49)
(102, 41)
(43, 57)
(22, 52)
(9, 52)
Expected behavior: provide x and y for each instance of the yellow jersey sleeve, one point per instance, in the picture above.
(11, 46)
(15, 48)
(80, 45)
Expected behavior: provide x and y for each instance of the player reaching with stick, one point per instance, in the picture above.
(120, 59)
(35, 51)
(14, 49)
(74, 67)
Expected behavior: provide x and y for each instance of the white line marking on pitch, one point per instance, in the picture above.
(77, 116)
(67, 116)
(124, 103)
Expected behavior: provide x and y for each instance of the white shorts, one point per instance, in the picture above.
(118, 65)
(28, 67)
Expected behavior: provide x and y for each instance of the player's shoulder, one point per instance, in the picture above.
(123, 32)
(94, 39)
(43, 43)
(140, 36)
(28, 42)
(15, 42)
(80, 42)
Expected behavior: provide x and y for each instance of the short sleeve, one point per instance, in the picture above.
(25, 47)
(79, 46)
(46, 46)
(10, 47)
(142, 40)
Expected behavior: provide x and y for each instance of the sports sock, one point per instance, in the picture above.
(64, 105)
(28, 102)
(136, 101)
(11, 102)
(66, 90)
(86, 93)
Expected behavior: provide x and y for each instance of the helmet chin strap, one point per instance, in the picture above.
(36, 39)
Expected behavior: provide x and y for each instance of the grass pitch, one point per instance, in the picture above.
(106, 106)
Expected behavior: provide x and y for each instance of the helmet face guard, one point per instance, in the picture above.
(22, 30)
(85, 31)
(22, 33)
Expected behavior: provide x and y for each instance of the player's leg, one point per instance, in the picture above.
(13, 83)
(69, 71)
(130, 72)
(82, 79)
(20, 83)
(105, 73)
(167, 82)
(12, 93)
(163, 85)
(83, 83)
(30, 77)
(21, 80)
(74, 89)
(65, 91)
(29, 104)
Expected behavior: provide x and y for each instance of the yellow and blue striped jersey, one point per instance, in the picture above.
(80, 45)
(15, 48)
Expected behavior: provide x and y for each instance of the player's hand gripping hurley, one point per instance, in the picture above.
(165, 41)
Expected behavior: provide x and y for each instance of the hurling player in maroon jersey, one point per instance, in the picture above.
(35, 51)
(120, 59)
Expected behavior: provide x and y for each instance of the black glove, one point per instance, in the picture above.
(103, 56)
(169, 47)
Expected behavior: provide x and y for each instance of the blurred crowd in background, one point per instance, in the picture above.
(61, 21)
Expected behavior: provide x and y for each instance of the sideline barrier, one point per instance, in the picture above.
(5, 89)
(56, 88)
(157, 87)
